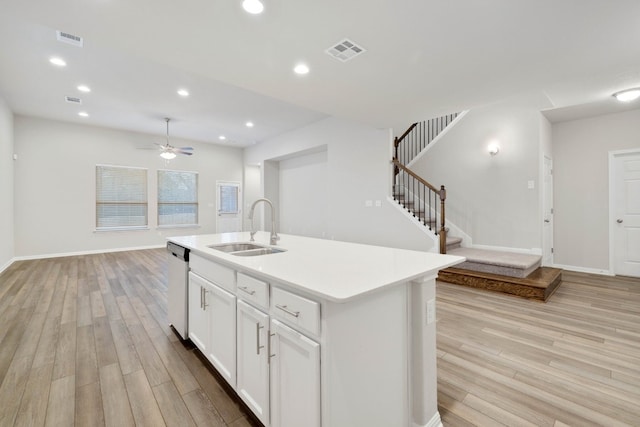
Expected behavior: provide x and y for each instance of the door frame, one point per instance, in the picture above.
(546, 255)
(613, 156)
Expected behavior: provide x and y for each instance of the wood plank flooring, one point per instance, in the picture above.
(85, 341)
(505, 360)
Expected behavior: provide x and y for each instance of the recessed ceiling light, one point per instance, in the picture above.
(249, 124)
(84, 88)
(83, 114)
(183, 92)
(58, 61)
(253, 7)
(301, 69)
(222, 137)
(627, 95)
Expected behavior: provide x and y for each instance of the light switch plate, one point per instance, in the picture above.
(531, 185)
(368, 203)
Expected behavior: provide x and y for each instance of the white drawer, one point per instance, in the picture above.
(253, 290)
(296, 310)
(221, 276)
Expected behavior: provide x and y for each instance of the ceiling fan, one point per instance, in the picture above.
(168, 151)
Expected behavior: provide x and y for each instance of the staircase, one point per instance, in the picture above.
(508, 272)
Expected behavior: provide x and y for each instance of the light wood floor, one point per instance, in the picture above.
(85, 341)
(575, 360)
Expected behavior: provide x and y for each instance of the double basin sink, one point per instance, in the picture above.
(246, 249)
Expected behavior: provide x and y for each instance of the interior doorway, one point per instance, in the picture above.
(624, 212)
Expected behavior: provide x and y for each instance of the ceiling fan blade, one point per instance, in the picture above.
(188, 153)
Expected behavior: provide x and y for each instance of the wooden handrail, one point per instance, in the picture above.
(397, 140)
(442, 193)
(414, 175)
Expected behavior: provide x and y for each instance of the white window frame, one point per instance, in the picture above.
(100, 203)
(196, 203)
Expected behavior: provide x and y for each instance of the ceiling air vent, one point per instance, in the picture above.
(345, 50)
(69, 38)
(73, 100)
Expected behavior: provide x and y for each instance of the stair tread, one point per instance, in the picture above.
(499, 258)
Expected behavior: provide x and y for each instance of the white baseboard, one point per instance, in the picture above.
(585, 270)
(7, 265)
(435, 421)
(532, 251)
(97, 251)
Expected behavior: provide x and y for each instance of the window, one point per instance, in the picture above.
(177, 198)
(228, 195)
(121, 197)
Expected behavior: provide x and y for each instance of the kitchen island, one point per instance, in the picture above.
(325, 333)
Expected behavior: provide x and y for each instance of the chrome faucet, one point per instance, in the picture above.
(274, 236)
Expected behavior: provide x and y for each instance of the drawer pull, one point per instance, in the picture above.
(246, 290)
(286, 310)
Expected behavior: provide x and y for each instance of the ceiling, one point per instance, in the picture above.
(423, 58)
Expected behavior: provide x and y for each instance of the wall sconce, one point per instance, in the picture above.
(627, 95)
(493, 148)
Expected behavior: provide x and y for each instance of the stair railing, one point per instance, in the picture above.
(421, 199)
(418, 136)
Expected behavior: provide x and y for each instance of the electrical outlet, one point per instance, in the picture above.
(378, 203)
(431, 311)
(531, 185)
(368, 203)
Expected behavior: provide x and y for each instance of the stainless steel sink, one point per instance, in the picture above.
(261, 251)
(246, 249)
(235, 247)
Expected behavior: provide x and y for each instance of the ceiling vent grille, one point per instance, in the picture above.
(73, 100)
(345, 50)
(69, 39)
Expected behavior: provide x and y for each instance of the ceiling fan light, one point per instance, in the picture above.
(168, 155)
(253, 7)
(628, 95)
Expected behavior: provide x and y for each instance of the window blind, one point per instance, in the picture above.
(121, 197)
(177, 198)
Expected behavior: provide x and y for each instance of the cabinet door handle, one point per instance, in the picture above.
(201, 299)
(258, 346)
(204, 300)
(269, 352)
(286, 310)
(246, 290)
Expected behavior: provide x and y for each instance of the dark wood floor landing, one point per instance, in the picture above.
(539, 285)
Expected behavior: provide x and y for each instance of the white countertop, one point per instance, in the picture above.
(335, 271)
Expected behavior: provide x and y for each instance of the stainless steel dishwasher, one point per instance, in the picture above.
(177, 292)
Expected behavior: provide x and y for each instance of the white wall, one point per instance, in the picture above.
(304, 195)
(581, 185)
(488, 196)
(55, 185)
(358, 169)
(252, 192)
(6, 186)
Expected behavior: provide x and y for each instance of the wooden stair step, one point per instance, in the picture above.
(539, 285)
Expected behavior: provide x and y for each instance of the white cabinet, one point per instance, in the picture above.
(295, 378)
(212, 311)
(198, 315)
(253, 360)
(222, 323)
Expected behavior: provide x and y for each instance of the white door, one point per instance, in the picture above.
(253, 360)
(295, 378)
(198, 315)
(626, 214)
(222, 318)
(228, 197)
(547, 213)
